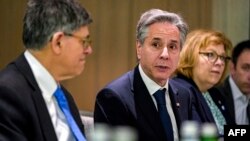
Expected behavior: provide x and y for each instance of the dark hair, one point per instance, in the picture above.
(45, 17)
(238, 49)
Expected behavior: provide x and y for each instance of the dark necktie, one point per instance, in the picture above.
(63, 104)
(248, 111)
(165, 118)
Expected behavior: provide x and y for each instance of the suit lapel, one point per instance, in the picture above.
(208, 116)
(201, 102)
(44, 118)
(74, 110)
(229, 98)
(172, 94)
(146, 104)
(39, 103)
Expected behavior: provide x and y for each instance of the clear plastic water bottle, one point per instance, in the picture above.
(124, 133)
(100, 132)
(189, 131)
(104, 132)
(209, 132)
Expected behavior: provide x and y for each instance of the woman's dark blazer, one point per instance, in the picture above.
(203, 113)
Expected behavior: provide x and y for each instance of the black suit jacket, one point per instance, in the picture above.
(226, 92)
(126, 101)
(23, 112)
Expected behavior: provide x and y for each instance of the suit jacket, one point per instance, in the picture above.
(226, 92)
(23, 113)
(203, 113)
(127, 102)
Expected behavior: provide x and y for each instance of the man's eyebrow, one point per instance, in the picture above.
(174, 41)
(156, 38)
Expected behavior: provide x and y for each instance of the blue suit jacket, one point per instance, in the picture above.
(202, 112)
(126, 101)
(23, 113)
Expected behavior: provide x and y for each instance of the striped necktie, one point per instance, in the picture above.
(63, 104)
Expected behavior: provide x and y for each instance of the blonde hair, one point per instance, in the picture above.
(197, 40)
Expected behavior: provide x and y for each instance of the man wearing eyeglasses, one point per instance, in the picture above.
(33, 104)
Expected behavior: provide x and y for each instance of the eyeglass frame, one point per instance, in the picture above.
(86, 42)
(224, 59)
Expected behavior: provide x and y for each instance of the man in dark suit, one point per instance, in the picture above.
(236, 87)
(129, 100)
(56, 38)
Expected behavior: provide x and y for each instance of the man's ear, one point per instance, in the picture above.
(232, 67)
(56, 42)
(138, 49)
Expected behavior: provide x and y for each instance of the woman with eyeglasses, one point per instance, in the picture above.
(202, 65)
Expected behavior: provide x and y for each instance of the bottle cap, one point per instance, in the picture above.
(189, 129)
(124, 133)
(209, 129)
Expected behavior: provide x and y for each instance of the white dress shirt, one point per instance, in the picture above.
(240, 104)
(152, 88)
(48, 86)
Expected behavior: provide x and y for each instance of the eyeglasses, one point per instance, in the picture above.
(213, 56)
(85, 42)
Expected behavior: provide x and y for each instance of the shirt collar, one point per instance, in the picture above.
(150, 84)
(237, 94)
(45, 81)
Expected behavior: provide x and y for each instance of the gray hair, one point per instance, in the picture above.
(45, 17)
(156, 15)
